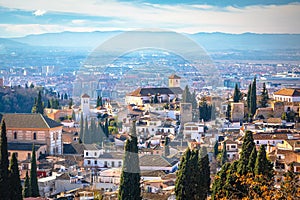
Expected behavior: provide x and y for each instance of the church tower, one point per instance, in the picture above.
(85, 104)
(174, 80)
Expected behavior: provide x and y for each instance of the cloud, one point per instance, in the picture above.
(39, 12)
(179, 17)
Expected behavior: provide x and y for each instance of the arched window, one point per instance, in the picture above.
(34, 135)
(15, 135)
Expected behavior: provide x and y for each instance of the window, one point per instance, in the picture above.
(257, 142)
(95, 162)
(105, 163)
(95, 154)
(16, 154)
(120, 163)
(28, 156)
(86, 153)
(15, 135)
(112, 164)
(34, 135)
(88, 162)
(233, 146)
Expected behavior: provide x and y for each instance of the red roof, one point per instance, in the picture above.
(294, 92)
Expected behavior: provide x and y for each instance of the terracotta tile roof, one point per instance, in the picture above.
(274, 120)
(294, 143)
(174, 76)
(85, 96)
(261, 136)
(294, 92)
(152, 91)
(25, 120)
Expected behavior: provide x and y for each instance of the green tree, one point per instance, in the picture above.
(264, 96)
(182, 179)
(216, 149)
(203, 181)
(194, 100)
(247, 147)
(81, 131)
(39, 104)
(129, 188)
(224, 157)
(186, 95)
(218, 190)
(155, 100)
(253, 98)
(34, 187)
(249, 97)
(289, 188)
(48, 104)
(15, 188)
(65, 96)
(204, 110)
(252, 160)
(26, 188)
(71, 103)
(4, 182)
(228, 112)
(86, 134)
(236, 94)
(99, 102)
(262, 165)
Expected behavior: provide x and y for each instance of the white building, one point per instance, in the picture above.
(193, 131)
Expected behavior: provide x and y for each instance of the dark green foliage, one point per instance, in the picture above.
(289, 188)
(194, 100)
(99, 102)
(262, 165)
(186, 95)
(224, 158)
(252, 160)
(73, 115)
(86, 134)
(193, 175)
(253, 98)
(264, 96)
(65, 96)
(4, 183)
(182, 179)
(204, 110)
(228, 112)
(71, 104)
(129, 188)
(213, 111)
(15, 187)
(34, 188)
(236, 94)
(218, 185)
(249, 100)
(247, 147)
(48, 104)
(155, 100)
(39, 104)
(26, 188)
(81, 132)
(216, 149)
(232, 187)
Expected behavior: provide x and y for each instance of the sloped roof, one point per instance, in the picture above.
(85, 96)
(157, 161)
(294, 92)
(22, 146)
(174, 76)
(152, 91)
(26, 120)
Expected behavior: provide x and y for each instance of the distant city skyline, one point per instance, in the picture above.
(21, 18)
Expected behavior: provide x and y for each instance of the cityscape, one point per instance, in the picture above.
(149, 100)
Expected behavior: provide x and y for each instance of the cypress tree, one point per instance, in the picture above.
(34, 187)
(182, 179)
(81, 132)
(247, 147)
(86, 134)
(228, 112)
(218, 186)
(14, 179)
(49, 104)
(236, 94)
(224, 157)
(249, 98)
(216, 149)
(204, 178)
(71, 104)
(65, 96)
(253, 98)
(26, 188)
(262, 165)
(186, 95)
(194, 100)
(264, 96)
(233, 188)
(252, 160)
(4, 182)
(129, 188)
(39, 104)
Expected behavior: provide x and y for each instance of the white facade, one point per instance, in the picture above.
(85, 105)
(101, 159)
(284, 98)
(56, 142)
(193, 130)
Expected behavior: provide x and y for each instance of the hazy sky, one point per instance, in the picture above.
(24, 17)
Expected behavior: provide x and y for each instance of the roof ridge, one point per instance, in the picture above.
(44, 120)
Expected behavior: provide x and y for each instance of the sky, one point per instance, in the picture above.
(19, 18)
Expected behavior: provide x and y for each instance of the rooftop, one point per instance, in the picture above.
(293, 92)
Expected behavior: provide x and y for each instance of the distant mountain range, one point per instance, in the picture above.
(210, 41)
